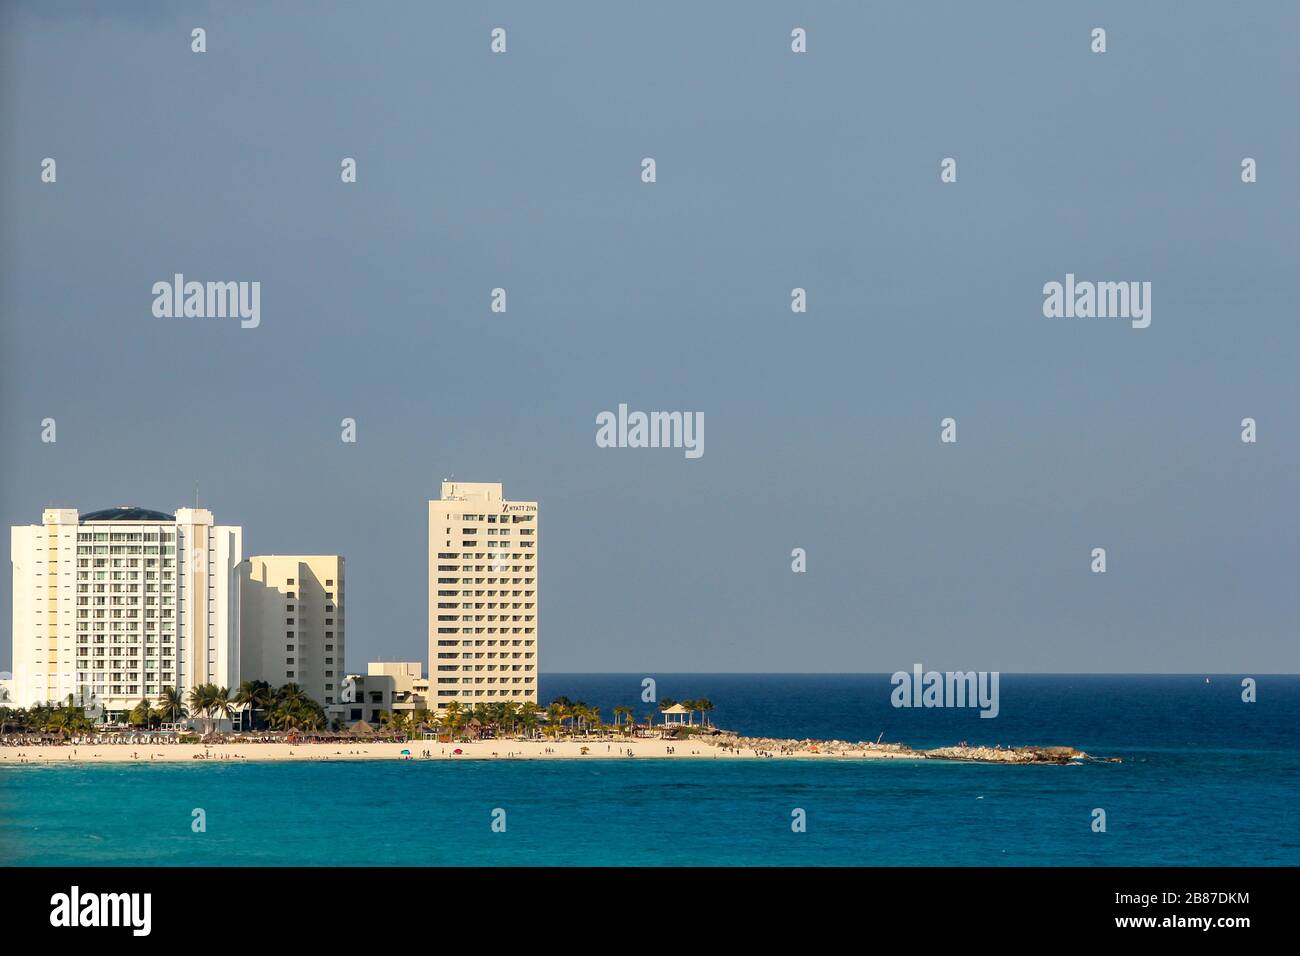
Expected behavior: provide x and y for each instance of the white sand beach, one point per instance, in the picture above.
(432, 750)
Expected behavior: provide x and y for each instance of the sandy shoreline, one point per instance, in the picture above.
(362, 750)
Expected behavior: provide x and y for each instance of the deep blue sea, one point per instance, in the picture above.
(1206, 779)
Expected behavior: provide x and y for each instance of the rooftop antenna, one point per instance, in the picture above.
(196, 494)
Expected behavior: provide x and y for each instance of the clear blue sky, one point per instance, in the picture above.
(775, 171)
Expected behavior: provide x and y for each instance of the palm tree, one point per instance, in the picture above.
(394, 721)
(691, 707)
(453, 717)
(280, 717)
(202, 700)
(706, 706)
(222, 705)
(37, 715)
(171, 705)
(483, 714)
(8, 716)
(623, 718)
(528, 720)
(142, 714)
(253, 695)
(509, 711)
(556, 715)
(291, 693)
(293, 709)
(311, 716)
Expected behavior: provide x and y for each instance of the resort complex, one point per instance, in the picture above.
(126, 608)
(136, 628)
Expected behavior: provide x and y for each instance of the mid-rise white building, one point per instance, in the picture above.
(291, 622)
(482, 596)
(112, 606)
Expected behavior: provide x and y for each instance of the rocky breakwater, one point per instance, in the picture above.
(777, 746)
(1056, 755)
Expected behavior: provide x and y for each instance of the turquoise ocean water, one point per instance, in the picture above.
(1206, 780)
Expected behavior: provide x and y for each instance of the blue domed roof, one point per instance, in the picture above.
(126, 513)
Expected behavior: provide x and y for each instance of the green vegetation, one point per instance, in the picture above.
(255, 704)
(288, 708)
(561, 718)
(62, 719)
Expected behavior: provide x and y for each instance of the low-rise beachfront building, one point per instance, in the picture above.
(291, 622)
(112, 606)
(482, 596)
(386, 687)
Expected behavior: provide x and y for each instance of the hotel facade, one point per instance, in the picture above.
(393, 687)
(482, 596)
(112, 606)
(291, 622)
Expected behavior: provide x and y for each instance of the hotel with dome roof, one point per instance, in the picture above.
(112, 606)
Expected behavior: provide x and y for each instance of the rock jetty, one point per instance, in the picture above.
(867, 748)
(1056, 755)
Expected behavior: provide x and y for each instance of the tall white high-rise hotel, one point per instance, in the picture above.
(112, 606)
(482, 596)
